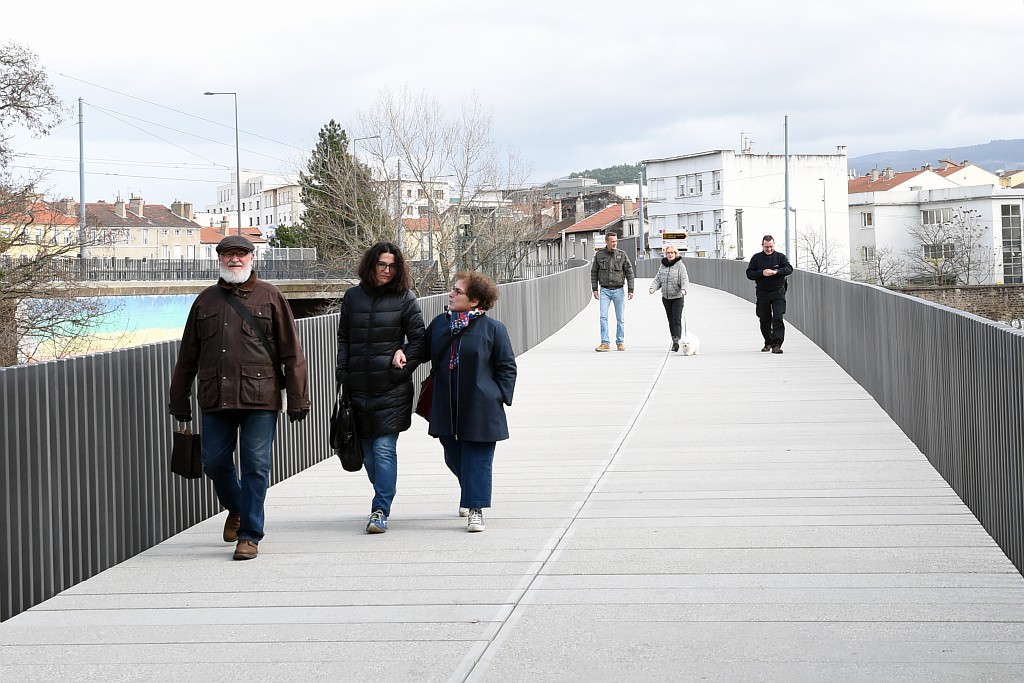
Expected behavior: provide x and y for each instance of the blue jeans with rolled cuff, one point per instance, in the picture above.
(253, 432)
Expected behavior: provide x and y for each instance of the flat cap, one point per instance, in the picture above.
(235, 242)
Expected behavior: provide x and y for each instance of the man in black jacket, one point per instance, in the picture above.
(768, 269)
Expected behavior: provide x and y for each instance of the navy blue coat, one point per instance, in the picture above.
(469, 401)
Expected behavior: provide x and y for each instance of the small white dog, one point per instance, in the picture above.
(689, 344)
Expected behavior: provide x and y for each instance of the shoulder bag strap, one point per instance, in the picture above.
(247, 317)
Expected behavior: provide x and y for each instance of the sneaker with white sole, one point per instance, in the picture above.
(476, 520)
(463, 512)
(377, 522)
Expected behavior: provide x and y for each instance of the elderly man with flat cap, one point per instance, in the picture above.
(239, 335)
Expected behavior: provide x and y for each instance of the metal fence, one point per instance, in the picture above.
(952, 381)
(84, 478)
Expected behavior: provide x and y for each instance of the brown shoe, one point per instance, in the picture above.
(245, 550)
(766, 348)
(776, 349)
(620, 347)
(231, 525)
(603, 347)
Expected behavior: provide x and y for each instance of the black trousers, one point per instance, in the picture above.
(674, 313)
(770, 308)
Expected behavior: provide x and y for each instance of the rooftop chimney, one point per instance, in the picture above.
(889, 173)
(177, 209)
(119, 208)
(187, 211)
(874, 174)
(67, 206)
(581, 210)
(224, 225)
(135, 205)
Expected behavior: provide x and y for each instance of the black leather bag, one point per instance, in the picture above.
(186, 455)
(344, 436)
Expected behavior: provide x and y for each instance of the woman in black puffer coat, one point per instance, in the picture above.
(380, 339)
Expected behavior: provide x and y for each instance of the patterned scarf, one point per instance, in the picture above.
(457, 322)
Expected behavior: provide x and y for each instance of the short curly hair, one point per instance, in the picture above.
(479, 287)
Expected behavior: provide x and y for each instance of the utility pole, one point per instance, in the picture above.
(640, 215)
(81, 182)
(786, 135)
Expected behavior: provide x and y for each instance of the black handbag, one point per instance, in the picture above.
(344, 435)
(186, 454)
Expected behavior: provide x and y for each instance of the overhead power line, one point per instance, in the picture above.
(178, 111)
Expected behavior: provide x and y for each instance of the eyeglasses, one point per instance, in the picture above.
(235, 253)
(457, 292)
(381, 265)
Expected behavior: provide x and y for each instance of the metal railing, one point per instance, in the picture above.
(84, 477)
(951, 380)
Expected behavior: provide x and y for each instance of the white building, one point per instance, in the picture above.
(884, 207)
(267, 201)
(726, 201)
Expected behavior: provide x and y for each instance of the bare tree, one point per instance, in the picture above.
(820, 256)
(880, 265)
(40, 313)
(491, 216)
(950, 248)
(26, 97)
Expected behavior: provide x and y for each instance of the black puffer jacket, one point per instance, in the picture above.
(372, 327)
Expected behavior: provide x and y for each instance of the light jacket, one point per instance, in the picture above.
(671, 280)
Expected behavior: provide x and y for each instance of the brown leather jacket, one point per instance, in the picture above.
(234, 369)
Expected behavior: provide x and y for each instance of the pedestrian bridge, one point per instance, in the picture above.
(732, 515)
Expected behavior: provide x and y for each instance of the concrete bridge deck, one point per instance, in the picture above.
(733, 515)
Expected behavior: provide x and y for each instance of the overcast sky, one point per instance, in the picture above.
(572, 84)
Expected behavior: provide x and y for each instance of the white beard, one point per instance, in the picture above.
(230, 277)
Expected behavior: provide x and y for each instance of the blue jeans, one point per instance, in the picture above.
(472, 463)
(253, 431)
(380, 458)
(618, 297)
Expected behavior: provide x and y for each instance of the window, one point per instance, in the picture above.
(657, 188)
(936, 216)
(938, 251)
(177, 232)
(408, 193)
(1013, 265)
(867, 253)
(421, 193)
(164, 233)
(680, 185)
(866, 219)
(145, 237)
(257, 205)
(438, 194)
(188, 232)
(716, 182)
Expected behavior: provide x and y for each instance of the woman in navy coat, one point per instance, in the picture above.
(474, 378)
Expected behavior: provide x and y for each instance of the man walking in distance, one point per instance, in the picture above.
(768, 269)
(238, 334)
(610, 271)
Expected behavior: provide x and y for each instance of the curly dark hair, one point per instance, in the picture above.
(401, 281)
(479, 287)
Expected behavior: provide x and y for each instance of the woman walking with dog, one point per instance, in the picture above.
(672, 281)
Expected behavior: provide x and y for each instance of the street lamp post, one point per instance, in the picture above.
(238, 165)
(430, 225)
(355, 190)
(824, 223)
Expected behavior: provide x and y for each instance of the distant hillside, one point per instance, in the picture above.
(993, 156)
(623, 173)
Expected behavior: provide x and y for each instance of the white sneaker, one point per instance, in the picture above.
(476, 520)
(463, 512)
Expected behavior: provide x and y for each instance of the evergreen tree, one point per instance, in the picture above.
(342, 209)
